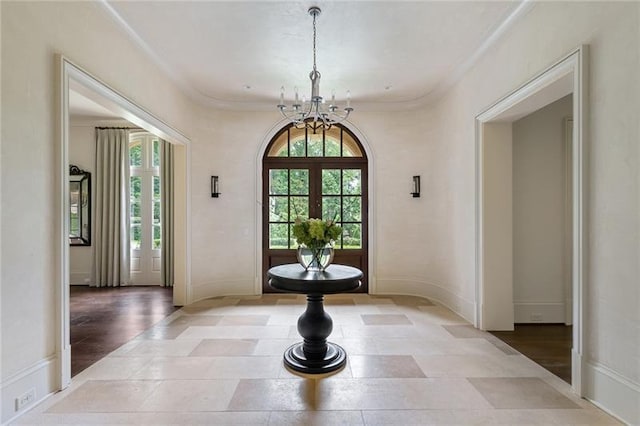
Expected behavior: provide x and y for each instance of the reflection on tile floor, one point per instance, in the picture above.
(219, 361)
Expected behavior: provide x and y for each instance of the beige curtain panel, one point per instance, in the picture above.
(111, 255)
(166, 212)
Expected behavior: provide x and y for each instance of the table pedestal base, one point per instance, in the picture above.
(334, 359)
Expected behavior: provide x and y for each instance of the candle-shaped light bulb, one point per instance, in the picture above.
(282, 95)
(348, 98)
(296, 90)
(333, 97)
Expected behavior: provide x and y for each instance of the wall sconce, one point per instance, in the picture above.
(416, 187)
(215, 186)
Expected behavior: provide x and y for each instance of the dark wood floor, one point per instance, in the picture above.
(547, 344)
(102, 319)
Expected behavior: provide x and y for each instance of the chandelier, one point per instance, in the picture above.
(314, 114)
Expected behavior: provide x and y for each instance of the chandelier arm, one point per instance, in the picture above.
(291, 117)
(302, 116)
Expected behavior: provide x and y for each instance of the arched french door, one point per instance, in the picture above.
(321, 174)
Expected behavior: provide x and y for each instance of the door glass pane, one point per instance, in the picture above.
(135, 187)
(351, 209)
(156, 187)
(135, 212)
(331, 208)
(278, 181)
(299, 181)
(278, 209)
(157, 237)
(136, 237)
(299, 208)
(278, 235)
(314, 147)
(135, 155)
(156, 212)
(351, 236)
(293, 244)
(331, 182)
(156, 153)
(351, 182)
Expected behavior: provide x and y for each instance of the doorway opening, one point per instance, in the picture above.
(75, 80)
(321, 174)
(502, 227)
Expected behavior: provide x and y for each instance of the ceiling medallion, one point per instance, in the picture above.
(314, 114)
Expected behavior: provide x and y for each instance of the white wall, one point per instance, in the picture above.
(612, 294)
(540, 260)
(32, 32)
(420, 246)
(497, 218)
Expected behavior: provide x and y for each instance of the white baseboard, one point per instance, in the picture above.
(539, 312)
(613, 393)
(39, 378)
(437, 293)
(80, 278)
(222, 288)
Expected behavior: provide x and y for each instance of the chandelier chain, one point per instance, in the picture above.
(314, 41)
(312, 113)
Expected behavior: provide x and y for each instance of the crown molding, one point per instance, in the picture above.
(262, 106)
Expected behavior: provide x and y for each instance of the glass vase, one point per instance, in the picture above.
(315, 258)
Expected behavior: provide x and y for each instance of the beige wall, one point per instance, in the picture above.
(420, 246)
(540, 260)
(32, 32)
(612, 293)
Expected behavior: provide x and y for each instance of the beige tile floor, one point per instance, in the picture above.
(219, 361)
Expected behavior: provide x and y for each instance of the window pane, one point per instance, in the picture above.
(278, 209)
(135, 212)
(157, 237)
(278, 179)
(156, 187)
(351, 182)
(135, 155)
(297, 148)
(349, 146)
(331, 147)
(331, 208)
(299, 181)
(314, 147)
(297, 142)
(299, 208)
(331, 182)
(156, 212)
(135, 187)
(280, 147)
(278, 235)
(156, 153)
(351, 237)
(351, 209)
(136, 237)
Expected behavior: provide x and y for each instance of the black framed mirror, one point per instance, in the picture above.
(79, 207)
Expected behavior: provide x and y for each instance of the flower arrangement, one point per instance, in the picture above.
(316, 233)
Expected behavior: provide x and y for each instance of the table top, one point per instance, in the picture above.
(335, 279)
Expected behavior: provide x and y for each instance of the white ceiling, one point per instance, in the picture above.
(388, 53)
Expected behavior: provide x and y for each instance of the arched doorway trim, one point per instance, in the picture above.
(364, 142)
